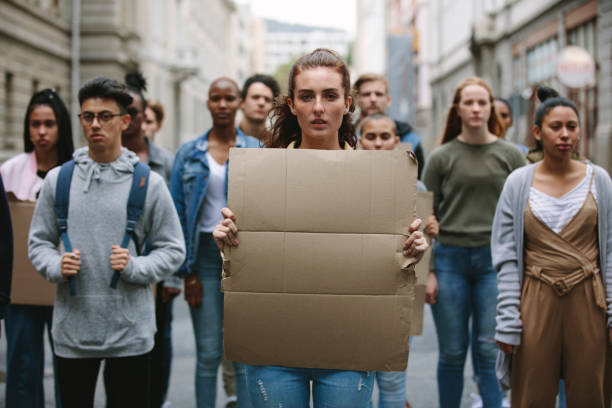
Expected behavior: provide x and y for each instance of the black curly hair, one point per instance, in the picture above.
(550, 99)
(137, 83)
(267, 80)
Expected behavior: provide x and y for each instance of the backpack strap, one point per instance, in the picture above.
(135, 207)
(62, 201)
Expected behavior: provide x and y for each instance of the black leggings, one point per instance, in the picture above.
(128, 381)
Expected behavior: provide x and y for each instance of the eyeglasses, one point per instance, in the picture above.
(104, 117)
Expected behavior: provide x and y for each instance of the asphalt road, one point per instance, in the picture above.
(421, 378)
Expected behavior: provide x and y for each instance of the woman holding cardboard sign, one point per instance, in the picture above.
(47, 140)
(315, 115)
(466, 175)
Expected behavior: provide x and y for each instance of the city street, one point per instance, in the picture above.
(486, 105)
(421, 382)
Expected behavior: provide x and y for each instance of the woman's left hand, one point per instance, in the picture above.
(119, 258)
(416, 244)
(226, 232)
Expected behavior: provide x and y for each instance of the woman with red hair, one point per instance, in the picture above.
(466, 175)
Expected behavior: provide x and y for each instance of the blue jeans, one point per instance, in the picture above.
(207, 322)
(562, 402)
(273, 387)
(391, 389)
(25, 355)
(467, 286)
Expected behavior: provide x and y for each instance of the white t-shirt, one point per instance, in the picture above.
(556, 213)
(214, 200)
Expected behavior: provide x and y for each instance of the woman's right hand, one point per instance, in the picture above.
(506, 348)
(226, 232)
(71, 263)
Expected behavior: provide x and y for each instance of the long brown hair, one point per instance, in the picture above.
(452, 129)
(285, 128)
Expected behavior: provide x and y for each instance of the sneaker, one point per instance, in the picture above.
(506, 402)
(477, 401)
(166, 404)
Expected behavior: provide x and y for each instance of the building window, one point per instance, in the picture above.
(537, 66)
(541, 62)
(518, 73)
(584, 36)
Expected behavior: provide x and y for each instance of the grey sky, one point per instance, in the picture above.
(340, 14)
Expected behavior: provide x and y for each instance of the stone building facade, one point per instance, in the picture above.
(35, 47)
(180, 46)
(513, 44)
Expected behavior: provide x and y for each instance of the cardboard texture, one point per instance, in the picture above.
(424, 208)
(318, 280)
(28, 286)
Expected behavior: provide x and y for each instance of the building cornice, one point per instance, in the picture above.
(35, 12)
(17, 28)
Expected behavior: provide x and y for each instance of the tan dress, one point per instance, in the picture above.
(563, 311)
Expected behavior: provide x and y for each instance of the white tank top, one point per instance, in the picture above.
(214, 200)
(555, 212)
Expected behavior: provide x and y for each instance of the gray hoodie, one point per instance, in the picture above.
(100, 321)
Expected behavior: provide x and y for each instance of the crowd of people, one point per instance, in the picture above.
(519, 269)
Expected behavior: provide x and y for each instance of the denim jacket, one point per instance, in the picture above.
(188, 184)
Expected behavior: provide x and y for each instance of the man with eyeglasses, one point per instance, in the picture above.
(99, 322)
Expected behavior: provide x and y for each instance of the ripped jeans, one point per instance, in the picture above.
(467, 287)
(278, 387)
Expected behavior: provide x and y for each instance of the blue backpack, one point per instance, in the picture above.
(135, 206)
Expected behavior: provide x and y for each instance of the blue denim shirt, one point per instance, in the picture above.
(188, 184)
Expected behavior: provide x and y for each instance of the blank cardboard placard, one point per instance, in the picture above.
(424, 208)
(28, 287)
(319, 278)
